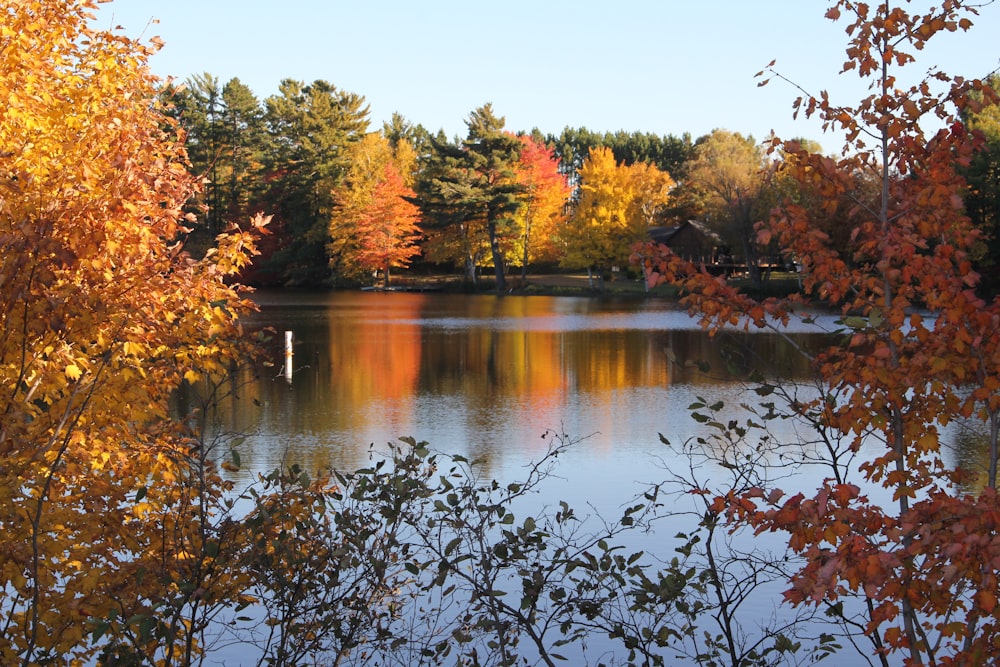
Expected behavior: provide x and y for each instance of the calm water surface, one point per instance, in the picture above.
(486, 377)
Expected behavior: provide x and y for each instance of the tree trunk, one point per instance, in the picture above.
(498, 258)
(527, 241)
(470, 267)
(748, 238)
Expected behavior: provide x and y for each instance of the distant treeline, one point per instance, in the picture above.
(298, 155)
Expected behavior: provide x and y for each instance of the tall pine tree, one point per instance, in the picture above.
(473, 185)
(311, 127)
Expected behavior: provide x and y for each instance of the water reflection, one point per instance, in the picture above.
(969, 450)
(484, 376)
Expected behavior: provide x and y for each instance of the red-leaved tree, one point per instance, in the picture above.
(546, 192)
(918, 349)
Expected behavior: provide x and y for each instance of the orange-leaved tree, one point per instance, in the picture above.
(373, 162)
(103, 498)
(904, 535)
(388, 228)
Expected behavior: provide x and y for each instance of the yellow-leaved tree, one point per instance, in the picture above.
(616, 206)
(106, 541)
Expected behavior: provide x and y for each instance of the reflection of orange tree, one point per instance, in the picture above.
(378, 364)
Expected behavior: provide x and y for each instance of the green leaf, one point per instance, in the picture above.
(451, 546)
(99, 630)
(855, 322)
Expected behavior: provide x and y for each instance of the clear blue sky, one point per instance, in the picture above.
(661, 66)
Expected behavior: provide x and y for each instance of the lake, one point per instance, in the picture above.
(487, 376)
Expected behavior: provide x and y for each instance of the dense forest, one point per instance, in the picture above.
(351, 203)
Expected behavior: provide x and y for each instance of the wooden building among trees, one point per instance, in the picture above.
(694, 241)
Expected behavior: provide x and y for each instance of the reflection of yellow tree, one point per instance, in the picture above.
(535, 368)
(695, 358)
(972, 455)
(499, 361)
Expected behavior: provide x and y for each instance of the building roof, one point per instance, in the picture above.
(665, 235)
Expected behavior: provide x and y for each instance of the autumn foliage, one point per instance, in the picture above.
(117, 540)
(103, 314)
(388, 228)
(917, 351)
(374, 226)
(545, 195)
(616, 207)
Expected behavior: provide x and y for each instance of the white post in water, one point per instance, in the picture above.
(289, 353)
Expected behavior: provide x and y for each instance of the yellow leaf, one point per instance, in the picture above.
(73, 372)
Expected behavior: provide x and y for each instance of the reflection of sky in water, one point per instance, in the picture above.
(662, 321)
